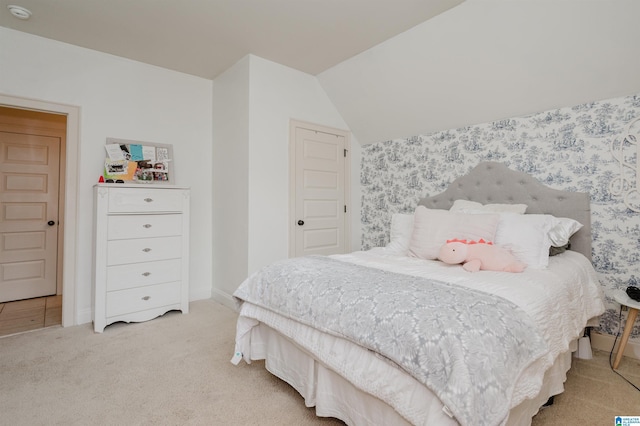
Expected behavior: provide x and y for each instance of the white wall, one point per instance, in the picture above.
(230, 180)
(276, 94)
(120, 98)
(485, 60)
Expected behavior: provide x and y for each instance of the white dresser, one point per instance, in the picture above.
(141, 252)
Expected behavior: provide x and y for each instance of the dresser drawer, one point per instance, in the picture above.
(120, 252)
(143, 226)
(141, 298)
(144, 200)
(121, 277)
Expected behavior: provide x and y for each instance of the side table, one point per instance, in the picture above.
(621, 297)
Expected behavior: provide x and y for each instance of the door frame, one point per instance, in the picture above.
(71, 162)
(293, 125)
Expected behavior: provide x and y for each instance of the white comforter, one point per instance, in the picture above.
(560, 300)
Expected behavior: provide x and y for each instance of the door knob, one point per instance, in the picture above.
(301, 222)
(51, 223)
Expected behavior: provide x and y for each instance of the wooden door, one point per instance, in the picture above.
(29, 189)
(320, 209)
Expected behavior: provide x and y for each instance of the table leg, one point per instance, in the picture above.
(631, 318)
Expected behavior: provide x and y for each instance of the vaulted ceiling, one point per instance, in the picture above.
(205, 37)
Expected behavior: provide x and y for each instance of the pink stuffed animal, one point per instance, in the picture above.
(480, 255)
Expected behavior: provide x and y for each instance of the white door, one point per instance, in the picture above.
(29, 180)
(320, 188)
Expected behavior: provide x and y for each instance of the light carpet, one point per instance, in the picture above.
(175, 370)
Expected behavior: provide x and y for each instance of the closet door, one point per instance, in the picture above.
(320, 183)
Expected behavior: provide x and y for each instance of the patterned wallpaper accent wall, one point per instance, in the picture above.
(566, 148)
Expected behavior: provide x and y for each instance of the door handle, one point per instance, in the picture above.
(301, 222)
(51, 223)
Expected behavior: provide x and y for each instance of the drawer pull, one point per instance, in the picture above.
(146, 225)
(148, 200)
(146, 274)
(146, 298)
(146, 250)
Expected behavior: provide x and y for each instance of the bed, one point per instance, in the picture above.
(445, 346)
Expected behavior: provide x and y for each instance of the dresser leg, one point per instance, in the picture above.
(631, 318)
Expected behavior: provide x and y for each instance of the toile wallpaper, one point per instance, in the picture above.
(567, 148)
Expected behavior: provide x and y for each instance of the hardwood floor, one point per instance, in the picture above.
(30, 314)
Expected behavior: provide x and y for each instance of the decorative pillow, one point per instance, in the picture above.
(562, 230)
(527, 236)
(400, 233)
(433, 227)
(466, 205)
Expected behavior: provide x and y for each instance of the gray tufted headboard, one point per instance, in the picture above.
(491, 182)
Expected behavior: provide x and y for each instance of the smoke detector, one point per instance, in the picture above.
(19, 12)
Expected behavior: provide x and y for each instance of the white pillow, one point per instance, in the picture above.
(433, 227)
(466, 205)
(527, 236)
(400, 233)
(563, 229)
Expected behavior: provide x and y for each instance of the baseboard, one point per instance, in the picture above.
(224, 299)
(604, 342)
(199, 293)
(84, 316)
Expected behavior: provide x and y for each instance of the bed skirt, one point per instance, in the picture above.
(334, 396)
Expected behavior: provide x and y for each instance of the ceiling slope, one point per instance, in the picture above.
(206, 37)
(488, 60)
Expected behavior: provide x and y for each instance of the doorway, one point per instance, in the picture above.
(67, 220)
(31, 201)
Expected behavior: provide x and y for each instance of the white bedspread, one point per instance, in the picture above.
(560, 300)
